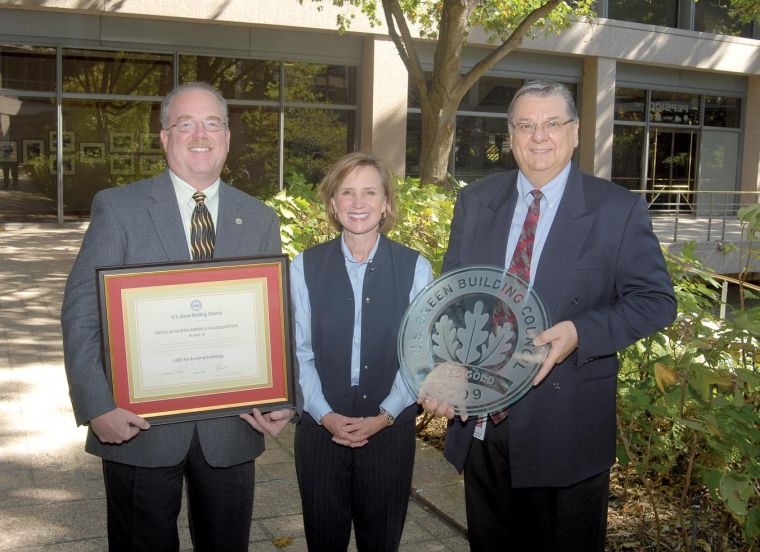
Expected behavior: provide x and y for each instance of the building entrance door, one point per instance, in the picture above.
(671, 169)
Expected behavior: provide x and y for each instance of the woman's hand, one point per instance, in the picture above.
(364, 428)
(343, 429)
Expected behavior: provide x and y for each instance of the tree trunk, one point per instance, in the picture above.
(437, 138)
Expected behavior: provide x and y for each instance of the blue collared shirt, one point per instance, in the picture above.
(553, 191)
(314, 400)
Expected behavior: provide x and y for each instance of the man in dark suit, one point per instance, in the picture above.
(539, 479)
(148, 222)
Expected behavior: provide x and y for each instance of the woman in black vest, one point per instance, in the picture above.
(354, 445)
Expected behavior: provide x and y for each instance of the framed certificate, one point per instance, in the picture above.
(188, 341)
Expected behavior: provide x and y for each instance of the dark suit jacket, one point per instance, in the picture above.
(601, 268)
(140, 223)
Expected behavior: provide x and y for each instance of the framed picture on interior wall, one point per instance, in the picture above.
(68, 141)
(122, 142)
(150, 142)
(150, 165)
(32, 149)
(122, 164)
(92, 151)
(69, 165)
(8, 152)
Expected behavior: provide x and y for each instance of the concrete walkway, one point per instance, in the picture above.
(51, 492)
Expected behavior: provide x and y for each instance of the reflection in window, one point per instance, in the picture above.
(28, 189)
(674, 108)
(252, 163)
(320, 83)
(490, 94)
(630, 104)
(481, 147)
(314, 139)
(723, 111)
(713, 16)
(627, 148)
(112, 143)
(122, 73)
(652, 12)
(27, 68)
(236, 79)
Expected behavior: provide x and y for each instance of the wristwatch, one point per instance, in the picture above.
(388, 416)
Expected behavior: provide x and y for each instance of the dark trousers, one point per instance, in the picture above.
(367, 485)
(144, 503)
(539, 519)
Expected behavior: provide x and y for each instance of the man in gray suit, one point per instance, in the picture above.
(538, 478)
(149, 222)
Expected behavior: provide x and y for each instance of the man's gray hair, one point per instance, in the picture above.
(544, 88)
(169, 98)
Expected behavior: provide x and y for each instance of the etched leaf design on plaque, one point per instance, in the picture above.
(445, 339)
(499, 344)
(472, 336)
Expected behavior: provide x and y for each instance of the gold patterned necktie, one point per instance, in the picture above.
(202, 236)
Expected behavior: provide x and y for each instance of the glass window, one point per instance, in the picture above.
(627, 148)
(28, 189)
(490, 94)
(722, 111)
(27, 68)
(674, 108)
(630, 104)
(481, 147)
(253, 160)
(106, 144)
(314, 139)
(236, 79)
(320, 83)
(121, 73)
(713, 16)
(413, 143)
(718, 171)
(652, 12)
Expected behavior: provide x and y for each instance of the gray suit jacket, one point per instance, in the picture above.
(601, 268)
(140, 223)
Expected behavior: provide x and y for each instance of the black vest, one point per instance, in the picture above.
(385, 296)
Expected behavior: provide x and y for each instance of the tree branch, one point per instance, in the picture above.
(394, 17)
(514, 41)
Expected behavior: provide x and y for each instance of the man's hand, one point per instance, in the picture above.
(563, 340)
(118, 426)
(270, 423)
(438, 408)
(343, 429)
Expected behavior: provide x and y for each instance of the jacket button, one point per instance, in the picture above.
(371, 268)
(364, 396)
(365, 367)
(367, 300)
(574, 301)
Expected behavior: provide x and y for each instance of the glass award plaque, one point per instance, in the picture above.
(467, 339)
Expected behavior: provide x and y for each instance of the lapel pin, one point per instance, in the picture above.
(238, 221)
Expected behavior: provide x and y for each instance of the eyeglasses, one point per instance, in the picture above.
(212, 124)
(529, 127)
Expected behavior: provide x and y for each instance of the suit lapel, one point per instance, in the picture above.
(167, 220)
(567, 235)
(493, 222)
(229, 226)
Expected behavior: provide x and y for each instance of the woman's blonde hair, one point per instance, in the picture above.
(342, 168)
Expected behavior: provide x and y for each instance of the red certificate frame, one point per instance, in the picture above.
(190, 341)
